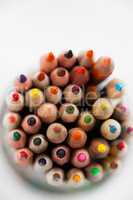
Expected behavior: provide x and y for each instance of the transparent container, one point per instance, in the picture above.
(36, 179)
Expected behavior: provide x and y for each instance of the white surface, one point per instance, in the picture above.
(29, 28)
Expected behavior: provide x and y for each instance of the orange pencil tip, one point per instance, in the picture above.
(54, 90)
(50, 57)
(107, 61)
(89, 53)
(76, 135)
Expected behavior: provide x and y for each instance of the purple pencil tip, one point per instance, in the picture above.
(22, 78)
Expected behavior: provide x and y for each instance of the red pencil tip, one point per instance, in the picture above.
(57, 129)
(80, 70)
(12, 119)
(121, 146)
(15, 97)
(41, 76)
(23, 154)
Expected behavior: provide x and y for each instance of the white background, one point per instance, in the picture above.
(28, 28)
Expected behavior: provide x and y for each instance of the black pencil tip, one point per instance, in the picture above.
(69, 54)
